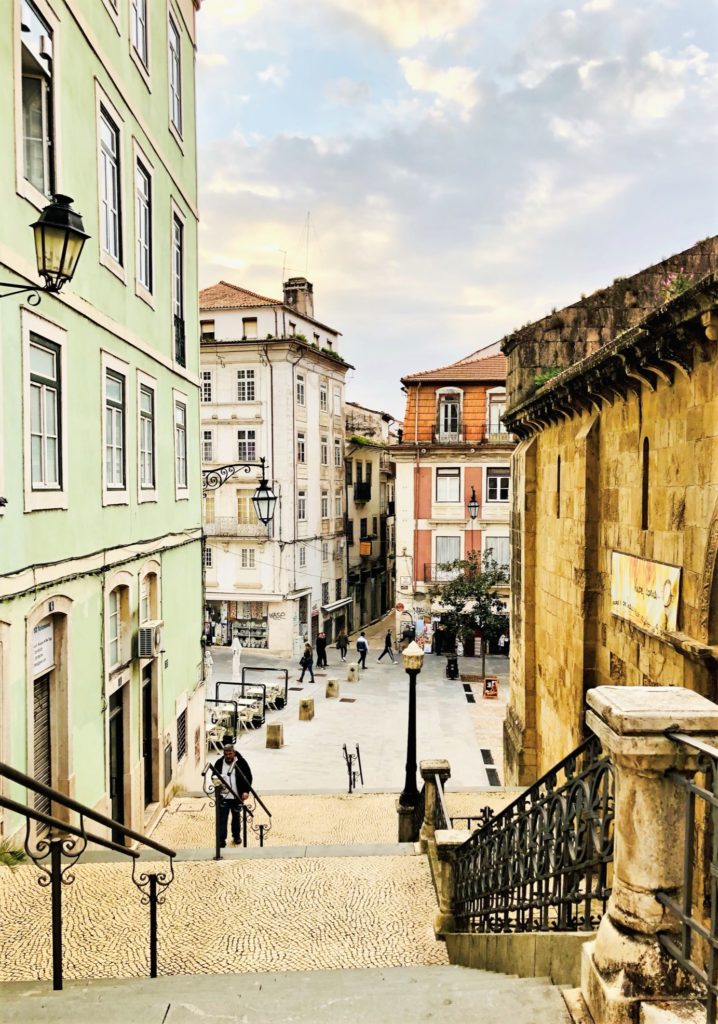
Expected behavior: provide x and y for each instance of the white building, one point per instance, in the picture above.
(273, 387)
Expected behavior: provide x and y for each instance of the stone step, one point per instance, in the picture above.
(399, 995)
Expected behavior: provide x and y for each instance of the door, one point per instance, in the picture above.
(42, 741)
(147, 737)
(117, 763)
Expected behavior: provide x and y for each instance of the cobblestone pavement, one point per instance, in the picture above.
(311, 819)
(232, 916)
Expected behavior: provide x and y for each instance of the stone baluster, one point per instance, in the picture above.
(448, 842)
(430, 769)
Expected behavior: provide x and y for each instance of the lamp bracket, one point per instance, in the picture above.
(34, 297)
(212, 479)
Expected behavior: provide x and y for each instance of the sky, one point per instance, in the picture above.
(445, 171)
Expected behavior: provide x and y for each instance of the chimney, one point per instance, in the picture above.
(299, 294)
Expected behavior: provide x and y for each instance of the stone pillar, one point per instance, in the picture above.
(306, 709)
(626, 965)
(275, 735)
(332, 688)
(405, 816)
(353, 674)
(448, 842)
(428, 770)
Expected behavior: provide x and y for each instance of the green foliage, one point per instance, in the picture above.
(675, 283)
(10, 856)
(365, 442)
(302, 337)
(546, 375)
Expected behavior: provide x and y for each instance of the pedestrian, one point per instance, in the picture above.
(387, 647)
(362, 649)
(307, 662)
(439, 639)
(322, 650)
(236, 657)
(234, 771)
(342, 644)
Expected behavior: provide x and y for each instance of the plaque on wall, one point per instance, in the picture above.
(645, 593)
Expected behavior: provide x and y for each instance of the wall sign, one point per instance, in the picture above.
(43, 647)
(645, 593)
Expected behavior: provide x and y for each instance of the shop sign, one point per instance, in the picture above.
(404, 582)
(232, 610)
(43, 647)
(645, 593)
(364, 548)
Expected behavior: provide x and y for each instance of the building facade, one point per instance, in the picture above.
(100, 533)
(615, 501)
(273, 387)
(454, 445)
(370, 514)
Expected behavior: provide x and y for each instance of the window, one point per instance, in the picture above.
(323, 398)
(182, 734)
(249, 327)
(337, 590)
(497, 485)
(292, 328)
(337, 453)
(301, 448)
(325, 550)
(448, 484)
(325, 593)
(181, 444)
(302, 557)
(349, 465)
(207, 446)
(208, 502)
(363, 529)
(147, 437)
(374, 526)
(337, 402)
(175, 75)
(45, 414)
(207, 557)
(248, 558)
(247, 445)
(114, 430)
(206, 385)
(448, 549)
(36, 53)
(178, 287)
(246, 391)
(324, 447)
(143, 191)
(368, 472)
(113, 627)
(325, 504)
(138, 29)
(246, 515)
(449, 417)
(338, 505)
(360, 472)
(497, 407)
(499, 548)
(645, 482)
(206, 330)
(110, 224)
(302, 506)
(300, 389)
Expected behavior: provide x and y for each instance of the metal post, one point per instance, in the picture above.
(217, 825)
(153, 925)
(244, 825)
(261, 834)
(56, 895)
(410, 793)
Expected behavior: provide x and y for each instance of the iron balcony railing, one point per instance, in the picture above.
(695, 912)
(438, 572)
(362, 492)
(59, 844)
(180, 349)
(545, 862)
(228, 526)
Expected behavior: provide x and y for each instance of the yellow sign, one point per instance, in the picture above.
(645, 593)
(364, 547)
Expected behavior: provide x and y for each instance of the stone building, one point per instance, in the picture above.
(454, 445)
(273, 387)
(615, 500)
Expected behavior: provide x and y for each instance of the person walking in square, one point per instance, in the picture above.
(307, 662)
(342, 644)
(362, 649)
(387, 647)
(322, 650)
(234, 771)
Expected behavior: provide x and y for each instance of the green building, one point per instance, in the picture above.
(100, 554)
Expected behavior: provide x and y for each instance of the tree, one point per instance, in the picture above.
(470, 599)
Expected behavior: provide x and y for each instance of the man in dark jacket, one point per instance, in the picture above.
(322, 650)
(236, 773)
(387, 647)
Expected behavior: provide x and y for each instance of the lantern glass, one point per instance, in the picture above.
(59, 239)
(473, 505)
(264, 501)
(413, 657)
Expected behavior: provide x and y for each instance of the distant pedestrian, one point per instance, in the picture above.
(322, 650)
(362, 649)
(342, 644)
(387, 647)
(307, 662)
(237, 775)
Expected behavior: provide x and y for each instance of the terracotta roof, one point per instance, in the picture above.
(229, 296)
(490, 368)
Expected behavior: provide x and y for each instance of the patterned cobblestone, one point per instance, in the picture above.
(232, 916)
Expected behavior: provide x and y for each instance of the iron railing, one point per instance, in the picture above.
(180, 348)
(56, 851)
(354, 768)
(362, 492)
(439, 572)
(213, 784)
(545, 861)
(695, 912)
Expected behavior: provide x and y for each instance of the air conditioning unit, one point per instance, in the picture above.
(149, 640)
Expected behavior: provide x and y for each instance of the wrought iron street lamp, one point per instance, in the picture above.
(59, 240)
(264, 499)
(473, 505)
(413, 658)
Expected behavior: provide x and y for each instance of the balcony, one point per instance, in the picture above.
(362, 493)
(439, 436)
(436, 573)
(180, 349)
(227, 526)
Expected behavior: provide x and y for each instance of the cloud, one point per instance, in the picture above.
(275, 74)
(347, 91)
(455, 85)
(212, 60)
(406, 23)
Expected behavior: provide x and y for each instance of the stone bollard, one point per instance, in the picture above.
(626, 966)
(332, 688)
(275, 736)
(306, 709)
(448, 842)
(353, 674)
(430, 769)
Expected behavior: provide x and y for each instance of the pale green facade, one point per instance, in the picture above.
(100, 536)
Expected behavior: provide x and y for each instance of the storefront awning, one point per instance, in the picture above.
(337, 604)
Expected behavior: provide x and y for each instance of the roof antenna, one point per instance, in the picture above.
(284, 266)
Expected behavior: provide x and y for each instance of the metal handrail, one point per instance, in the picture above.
(63, 826)
(247, 812)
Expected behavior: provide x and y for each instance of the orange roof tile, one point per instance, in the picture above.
(230, 296)
(490, 368)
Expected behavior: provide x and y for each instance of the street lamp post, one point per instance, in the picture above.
(473, 508)
(59, 239)
(413, 658)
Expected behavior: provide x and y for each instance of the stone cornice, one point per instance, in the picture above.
(655, 349)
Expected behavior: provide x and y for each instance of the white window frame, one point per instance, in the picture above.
(337, 400)
(248, 558)
(302, 556)
(337, 453)
(206, 381)
(323, 397)
(179, 301)
(50, 498)
(325, 504)
(124, 582)
(301, 453)
(44, 387)
(177, 129)
(248, 516)
(338, 505)
(447, 473)
(442, 394)
(301, 506)
(113, 9)
(116, 495)
(324, 449)
(207, 440)
(325, 551)
(489, 544)
(246, 383)
(207, 557)
(446, 574)
(181, 489)
(250, 320)
(142, 63)
(146, 494)
(495, 397)
(301, 390)
(325, 593)
(115, 266)
(505, 472)
(139, 158)
(251, 455)
(23, 187)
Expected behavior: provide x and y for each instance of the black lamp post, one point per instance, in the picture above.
(473, 508)
(264, 499)
(59, 240)
(413, 658)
